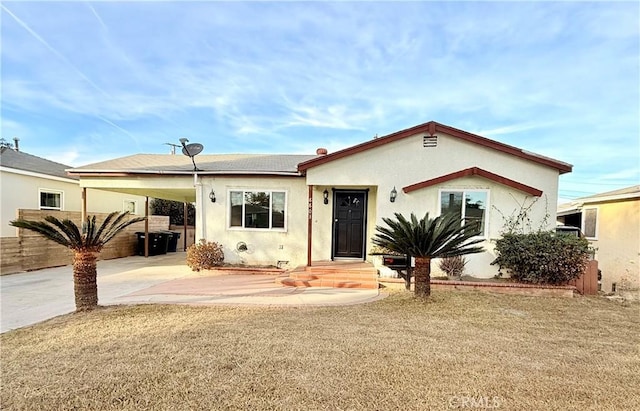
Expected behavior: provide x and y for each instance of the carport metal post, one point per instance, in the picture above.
(83, 215)
(146, 227)
(184, 241)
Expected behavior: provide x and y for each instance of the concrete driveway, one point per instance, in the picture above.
(28, 298)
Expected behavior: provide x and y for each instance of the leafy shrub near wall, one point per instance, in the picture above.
(542, 257)
(453, 266)
(174, 209)
(204, 255)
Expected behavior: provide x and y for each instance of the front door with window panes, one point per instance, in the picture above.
(349, 211)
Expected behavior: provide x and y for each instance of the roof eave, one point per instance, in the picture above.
(470, 172)
(432, 127)
(124, 173)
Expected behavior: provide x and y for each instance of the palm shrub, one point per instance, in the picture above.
(86, 243)
(425, 239)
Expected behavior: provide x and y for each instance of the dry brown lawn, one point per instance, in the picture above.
(461, 350)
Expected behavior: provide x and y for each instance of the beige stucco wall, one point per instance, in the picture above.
(618, 243)
(22, 191)
(406, 162)
(265, 247)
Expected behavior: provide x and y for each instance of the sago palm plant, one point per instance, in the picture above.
(86, 244)
(425, 239)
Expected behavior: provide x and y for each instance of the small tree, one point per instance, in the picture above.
(86, 244)
(425, 239)
(173, 209)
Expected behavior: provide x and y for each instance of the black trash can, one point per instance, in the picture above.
(158, 242)
(172, 240)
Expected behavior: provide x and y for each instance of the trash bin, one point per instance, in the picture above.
(158, 242)
(172, 240)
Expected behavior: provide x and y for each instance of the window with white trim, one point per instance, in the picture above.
(590, 222)
(51, 199)
(130, 205)
(468, 205)
(264, 209)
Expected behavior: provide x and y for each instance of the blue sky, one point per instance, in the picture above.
(88, 81)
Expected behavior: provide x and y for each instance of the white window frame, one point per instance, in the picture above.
(258, 190)
(487, 207)
(135, 206)
(50, 191)
(584, 217)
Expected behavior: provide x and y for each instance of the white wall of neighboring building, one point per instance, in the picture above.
(23, 191)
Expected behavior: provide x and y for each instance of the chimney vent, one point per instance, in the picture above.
(321, 151)
(16, 143)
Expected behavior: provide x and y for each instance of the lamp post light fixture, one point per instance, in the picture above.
(212, 196)
(393, 195)
(325, 195)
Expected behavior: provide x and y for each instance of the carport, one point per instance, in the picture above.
(156, 176)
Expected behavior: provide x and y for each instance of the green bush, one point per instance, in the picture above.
(175, 211)
(542, 257)
(204, 255)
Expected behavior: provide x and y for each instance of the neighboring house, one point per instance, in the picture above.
(31, 182)
(611, 223)
(290, 210)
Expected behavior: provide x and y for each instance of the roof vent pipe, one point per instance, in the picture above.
(321, 151)
(16, 143)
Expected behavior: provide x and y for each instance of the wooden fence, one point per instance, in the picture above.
(587, 283)
(30, 251)
(191, 235)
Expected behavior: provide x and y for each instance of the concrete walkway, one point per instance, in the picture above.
(28, 298)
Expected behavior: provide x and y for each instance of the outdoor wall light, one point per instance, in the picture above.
(325, 195)
(393, 195)
(212, 196)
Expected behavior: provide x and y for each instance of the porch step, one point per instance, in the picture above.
(333, 274)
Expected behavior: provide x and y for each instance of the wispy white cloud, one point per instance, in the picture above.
(556, 78)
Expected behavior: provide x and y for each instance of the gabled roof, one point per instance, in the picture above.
(432, 128)
(19, 160)
(208, 164)
(622, 194)
(628, 192)
(474, 171)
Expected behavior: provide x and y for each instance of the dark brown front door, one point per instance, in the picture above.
(349, 223)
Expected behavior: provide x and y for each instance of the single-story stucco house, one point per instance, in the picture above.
(36, 183)
(611, 223)
(292, 210)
